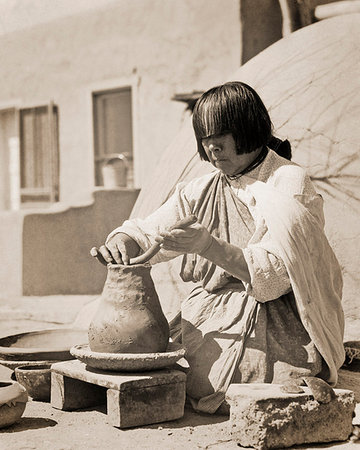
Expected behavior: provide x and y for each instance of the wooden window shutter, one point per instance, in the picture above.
(39, 154)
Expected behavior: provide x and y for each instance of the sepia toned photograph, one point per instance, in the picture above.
(179, 224)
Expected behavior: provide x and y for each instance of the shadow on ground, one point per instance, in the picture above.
(190, 419)
(29, 423)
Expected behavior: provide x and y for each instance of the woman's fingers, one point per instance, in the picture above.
(105, 253)
(116, 254)
(189, 233)
(121, 253)
(112, 255)
(96, 254)
(181, 242)
(192, 239)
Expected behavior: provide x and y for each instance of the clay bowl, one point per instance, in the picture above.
(129, 362)
(43, 345)
(13, 398)
(36, 379)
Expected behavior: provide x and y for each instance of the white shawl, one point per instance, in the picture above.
(312, 267)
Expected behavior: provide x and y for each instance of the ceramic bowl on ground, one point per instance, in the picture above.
(128, 362)
(36, 379)
(42, 345)
(13, 398)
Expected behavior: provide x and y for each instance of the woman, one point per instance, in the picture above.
(266, 306)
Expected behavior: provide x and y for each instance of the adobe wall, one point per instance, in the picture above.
(56, 245)
(160, 47)
(11, 224)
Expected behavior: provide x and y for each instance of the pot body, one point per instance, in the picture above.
(13, 398)
(129, 318)
(36, 380)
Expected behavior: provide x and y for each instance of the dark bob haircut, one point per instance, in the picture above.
(235, 108)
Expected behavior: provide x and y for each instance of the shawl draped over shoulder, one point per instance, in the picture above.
(296, 226)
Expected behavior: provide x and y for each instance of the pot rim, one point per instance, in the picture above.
(34, 368)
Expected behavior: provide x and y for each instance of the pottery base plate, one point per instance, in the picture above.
(128, 362)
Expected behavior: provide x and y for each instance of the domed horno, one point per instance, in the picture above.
(310, 82)
(129, 318)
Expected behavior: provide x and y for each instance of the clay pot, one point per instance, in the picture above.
(13, 398)
(36, 379)
(129, 318)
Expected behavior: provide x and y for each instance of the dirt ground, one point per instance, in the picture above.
(43, 427)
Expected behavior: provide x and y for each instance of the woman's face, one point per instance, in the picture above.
(221, 151)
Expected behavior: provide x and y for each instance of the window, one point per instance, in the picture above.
(39, 160)
(113, 134)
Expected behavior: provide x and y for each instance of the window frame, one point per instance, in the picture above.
(99, 156)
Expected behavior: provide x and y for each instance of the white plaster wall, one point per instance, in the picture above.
(159, 47)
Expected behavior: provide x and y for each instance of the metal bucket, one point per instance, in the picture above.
(114, 172)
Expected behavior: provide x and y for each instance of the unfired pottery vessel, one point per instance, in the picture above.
(36, 380)
(129, 318)
(13, 398)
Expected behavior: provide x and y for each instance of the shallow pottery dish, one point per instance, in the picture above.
(14, 364)
(13, 398)
(41, 345)
(36, 379)
(129, 362)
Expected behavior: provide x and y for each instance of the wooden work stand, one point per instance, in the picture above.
(133, 399)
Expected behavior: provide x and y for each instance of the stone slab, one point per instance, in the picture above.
(264, 417)
(133, 399)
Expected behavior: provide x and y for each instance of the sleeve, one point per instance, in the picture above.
(262, 272)
(268, 274)
(269, 279)
(144, 231)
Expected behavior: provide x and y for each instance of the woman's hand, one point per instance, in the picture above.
(192, 239)
(118, 250)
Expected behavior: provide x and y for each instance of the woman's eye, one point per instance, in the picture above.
(214, 147)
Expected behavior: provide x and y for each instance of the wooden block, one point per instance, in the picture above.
(264, 417)
(70, 394)
(133, 399)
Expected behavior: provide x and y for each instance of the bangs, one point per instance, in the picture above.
(212, 117)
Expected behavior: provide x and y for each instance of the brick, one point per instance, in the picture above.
(133, 399)
(264, 417)
(146, 405)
